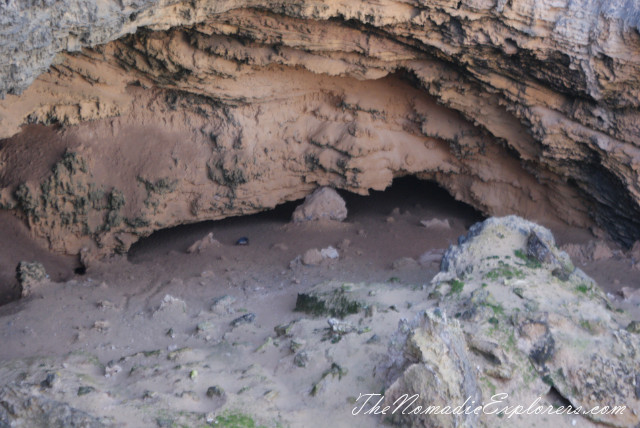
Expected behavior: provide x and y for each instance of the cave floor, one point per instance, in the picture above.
(120, 306)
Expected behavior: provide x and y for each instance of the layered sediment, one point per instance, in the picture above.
(156, 114)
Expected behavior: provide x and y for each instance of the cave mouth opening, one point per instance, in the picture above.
(382, 238)
(405, 195)
(382, 232)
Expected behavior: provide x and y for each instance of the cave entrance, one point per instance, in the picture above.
(382, 239)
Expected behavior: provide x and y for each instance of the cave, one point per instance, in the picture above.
(220, 213)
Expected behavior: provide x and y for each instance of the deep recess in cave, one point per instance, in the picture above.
(406, 193)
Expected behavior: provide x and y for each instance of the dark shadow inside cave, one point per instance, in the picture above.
(381, 239)
(377, 240)
(406, 194)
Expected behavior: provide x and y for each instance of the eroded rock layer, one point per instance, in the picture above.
(514, 108)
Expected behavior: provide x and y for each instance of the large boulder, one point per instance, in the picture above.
(526, 323)
(323, 204)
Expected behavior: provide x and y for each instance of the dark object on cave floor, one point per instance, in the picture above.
(245, 319)
(243, 241)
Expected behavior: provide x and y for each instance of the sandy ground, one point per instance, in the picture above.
(116, 308)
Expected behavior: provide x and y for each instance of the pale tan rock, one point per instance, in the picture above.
(202, 244)
(436, 223)
(312, 257)
(322, 204)
(599, 250)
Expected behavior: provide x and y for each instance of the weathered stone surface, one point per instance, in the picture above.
(323, 204)
(518, 330)
(515, 107)
(432, 356)
(21, 405)
(30, 275)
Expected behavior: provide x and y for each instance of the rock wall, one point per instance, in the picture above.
(213, 109)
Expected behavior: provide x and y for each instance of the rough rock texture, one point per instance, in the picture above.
(30, 275)
(437, 367)
(323, 204)
(23, 403)
(515, 107)
(529, 330)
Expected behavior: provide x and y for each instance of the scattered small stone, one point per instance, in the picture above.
(84, 390)
(171, 333)
(50, 381)
(301, 359)
(111, 369)
(340, 327)
(243, 241)
(280, 246)
(215, 391)
(173, 355)
(149, 395)
(436, 223)
(390, 219)
(222, 305)
(329, 253)
(373, 339)
(101, 326)
(297, 344)
(210, 417)
(284, 329)
(271, 395)
(312, 257)
(395, 211)
(323, 204)
(105, 304)
(244, 319)
(169, 302)
(202, 244)
(269, 341)
(205, 326)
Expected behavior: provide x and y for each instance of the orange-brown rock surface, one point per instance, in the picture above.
(213, 109)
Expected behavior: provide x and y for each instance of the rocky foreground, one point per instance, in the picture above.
(507, 314)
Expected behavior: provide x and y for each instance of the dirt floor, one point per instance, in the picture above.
(117, 307)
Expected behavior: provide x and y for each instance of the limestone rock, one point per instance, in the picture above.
(322, 204)
(202, 244)
(561, 331)
(215, 109)
(436, 223)
(30, 275)
(431, 354)
(312, 257)
(24, 407)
